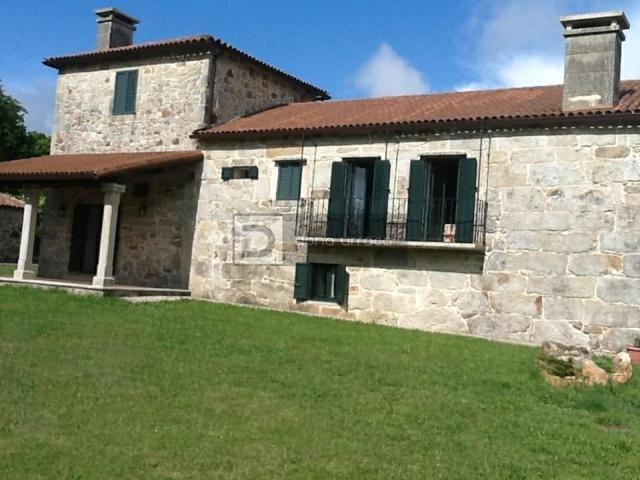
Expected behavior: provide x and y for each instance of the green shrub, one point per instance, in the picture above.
(556, 366)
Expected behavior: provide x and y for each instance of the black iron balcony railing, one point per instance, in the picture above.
(441, 220)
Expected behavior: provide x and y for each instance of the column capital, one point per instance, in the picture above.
(113, 188)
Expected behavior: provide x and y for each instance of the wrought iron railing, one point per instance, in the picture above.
(359, 220)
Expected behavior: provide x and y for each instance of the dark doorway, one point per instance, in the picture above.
(360, 186)
(444, 191)
(85, 238)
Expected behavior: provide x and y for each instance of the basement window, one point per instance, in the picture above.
(321, 281)
(239, 173)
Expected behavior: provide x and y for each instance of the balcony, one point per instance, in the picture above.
(442, 225)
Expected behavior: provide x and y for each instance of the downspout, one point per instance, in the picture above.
(299, 199)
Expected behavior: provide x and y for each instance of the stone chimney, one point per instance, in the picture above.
(592, 60)
(115, 28)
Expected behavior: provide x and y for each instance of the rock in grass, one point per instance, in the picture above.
(592, 374)
(622, 369)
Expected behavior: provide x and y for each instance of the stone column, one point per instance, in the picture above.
(24, 269)
(104, 272)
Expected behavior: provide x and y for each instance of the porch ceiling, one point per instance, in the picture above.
(91, 166)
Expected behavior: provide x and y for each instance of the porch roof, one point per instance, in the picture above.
(91, 166)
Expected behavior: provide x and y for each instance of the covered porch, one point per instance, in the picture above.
(118, 224)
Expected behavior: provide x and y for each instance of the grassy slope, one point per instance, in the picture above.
(98, 388)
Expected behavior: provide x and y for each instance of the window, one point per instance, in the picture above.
(321, 281)
(289, 179)
(358, 199)
(239, 173)
(442, 197)
(124, 98)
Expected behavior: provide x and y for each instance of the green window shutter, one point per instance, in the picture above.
(289, 178)
(466, 199)
(419, 176)
(284, 182)
(132, 89)
(380, 199)
(124, 98)
(296, 180)
(337, 200)
(302, 283)
(227, 173)
(253, 173)
(342, 284)
(120, 93)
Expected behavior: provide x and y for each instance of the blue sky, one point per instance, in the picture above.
(352, 48)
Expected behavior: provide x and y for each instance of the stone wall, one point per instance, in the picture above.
(242, 87)
(10, 230)
(170, 104)
(562, 259)
(154, 236)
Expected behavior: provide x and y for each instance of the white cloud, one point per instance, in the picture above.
(631, 47)
(531, 69)
(520, 43)
(387, 73)
(38, 98)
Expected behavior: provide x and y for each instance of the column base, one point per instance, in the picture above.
(23, 274)
(103, 281)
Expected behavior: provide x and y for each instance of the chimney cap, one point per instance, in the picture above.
(107, 14)
(593, 22)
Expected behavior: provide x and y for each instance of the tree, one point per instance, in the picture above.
(15, 140)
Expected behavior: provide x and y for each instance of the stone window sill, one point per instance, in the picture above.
(367, 242)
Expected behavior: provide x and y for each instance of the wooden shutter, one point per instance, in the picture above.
(466, 199)
(419, 195)
(124, 98)
(296, 180)
(342, 284)
(284, 182)
(380, 199)
(132, 88)
(253, 173)
(337, 200)
(302, 283)
(289, 179)
(227, 173)
(120, 93)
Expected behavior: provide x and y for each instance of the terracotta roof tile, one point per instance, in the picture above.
(9, 201)
(91, 166)
(436, 109)
(193, 43)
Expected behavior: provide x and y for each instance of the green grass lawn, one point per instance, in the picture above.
(99, 388)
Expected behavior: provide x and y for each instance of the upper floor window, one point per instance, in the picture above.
(124, 98)
(289, 180)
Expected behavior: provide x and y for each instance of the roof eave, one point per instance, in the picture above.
(444, 126)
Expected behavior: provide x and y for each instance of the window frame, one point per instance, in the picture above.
(125, 92)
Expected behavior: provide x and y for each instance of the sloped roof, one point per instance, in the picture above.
(509, 104)
(9, 201)
(194, 43)
(91, 166)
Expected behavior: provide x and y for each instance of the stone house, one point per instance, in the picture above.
(189, 165)
(10, 227)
